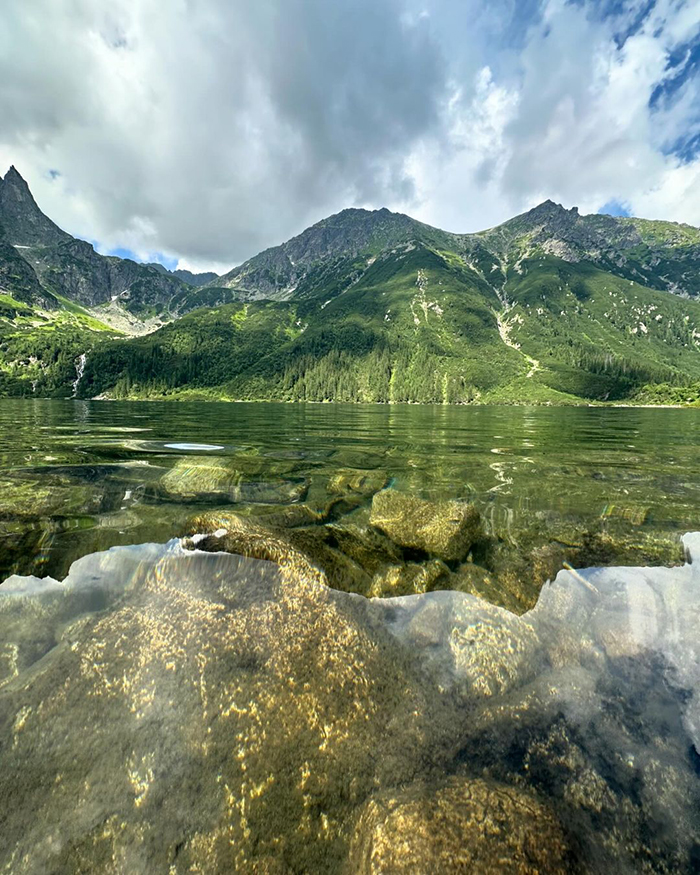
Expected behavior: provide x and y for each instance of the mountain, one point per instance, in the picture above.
(548, 307)
(660, 255)
(192, 279)
(66, 267)
(23, 222)
(302, 264)
(374, 306)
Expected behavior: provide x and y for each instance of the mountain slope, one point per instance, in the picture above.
(422, 325)
(414, 328)
(660, 255)
(549, 307)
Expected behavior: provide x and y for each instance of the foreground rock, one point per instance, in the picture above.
(444, 529)
(175, 711)
(460, 826)
(227, 715)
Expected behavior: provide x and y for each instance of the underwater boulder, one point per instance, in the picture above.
(303, 549)
(203, 478)
(463, 825)
(353, 480)
(445, 529)
(228, 713)
(409, 578)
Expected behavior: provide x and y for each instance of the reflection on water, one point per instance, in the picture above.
(168, 710)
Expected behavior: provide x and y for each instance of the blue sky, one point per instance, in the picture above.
(199, 134)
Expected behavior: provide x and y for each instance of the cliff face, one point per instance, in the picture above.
(23, 221)
(64, 266)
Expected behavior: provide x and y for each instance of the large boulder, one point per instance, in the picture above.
(303, 549)
(445, 529)
(228, 715)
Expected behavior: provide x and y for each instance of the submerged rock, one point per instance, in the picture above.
(180, 711)
(354, 480)
(506, 592)
(410, 578)
(364, 544)
(32, 499)
(228, 715)
(211, 479)
(460, 826)
(444, 529)
(303, 549)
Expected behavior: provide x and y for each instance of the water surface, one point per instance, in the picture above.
(168, 709)
(80, 476)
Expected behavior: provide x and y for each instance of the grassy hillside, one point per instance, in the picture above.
(39, 349)
(599, 336)
(421, 326)
(416, 328)
(548, 307)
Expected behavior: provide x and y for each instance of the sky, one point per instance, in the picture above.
(199, 132)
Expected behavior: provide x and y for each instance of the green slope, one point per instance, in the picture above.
(599, 336)
(415, 328)
(40, 349)
(549, 307)
(421, 325)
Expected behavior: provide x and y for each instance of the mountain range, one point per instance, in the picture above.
(549, 307)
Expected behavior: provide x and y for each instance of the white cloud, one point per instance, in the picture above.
(208, 131)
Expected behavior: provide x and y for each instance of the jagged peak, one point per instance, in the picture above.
(13, 175)
(552, 208)
(25, 224)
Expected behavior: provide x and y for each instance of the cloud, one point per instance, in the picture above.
(213, 129)
(207, 131)
(576, 120)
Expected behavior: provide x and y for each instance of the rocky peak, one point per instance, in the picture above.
(25, 224)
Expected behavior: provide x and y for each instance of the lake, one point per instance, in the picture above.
(214, 693)
(98, 465)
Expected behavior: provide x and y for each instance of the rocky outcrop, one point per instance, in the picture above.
(70, 267)
(23, 221)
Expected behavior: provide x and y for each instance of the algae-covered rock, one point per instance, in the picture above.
(366, 545)
(609, 547)
(228, 715)
(32, 499)
(304, 549)
(445, 529)
(461, 826)
(353, 480)
(410, 578)
(214, 479)
(505, 592)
